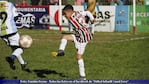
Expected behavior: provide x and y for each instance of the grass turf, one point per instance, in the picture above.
(108, 56)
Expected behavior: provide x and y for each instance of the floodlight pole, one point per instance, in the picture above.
(60, 15)
(134, 16)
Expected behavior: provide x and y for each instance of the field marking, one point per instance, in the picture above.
(118, 41)
(126, 40)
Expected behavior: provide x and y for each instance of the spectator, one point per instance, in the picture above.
(35, 2)
(44, 2)
(54, 2)
(65, 2)
(24, 3)
(124, 1)
(140, 2)
(91, 5)
(79, 2)
(103, 2)
(17, 2)
(128, 2)
(116, 2)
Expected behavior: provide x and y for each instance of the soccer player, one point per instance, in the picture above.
(80, 38)
(8, 32)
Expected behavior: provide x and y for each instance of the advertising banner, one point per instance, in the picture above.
(33, 17)
(121, 19)
(105, 19)
(44, 16)
(142, 18)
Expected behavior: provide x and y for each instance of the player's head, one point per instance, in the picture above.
(68, 11)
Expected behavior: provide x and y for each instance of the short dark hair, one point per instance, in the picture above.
(68, 7)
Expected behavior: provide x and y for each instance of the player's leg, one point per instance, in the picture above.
(62, 46)
(17, 53)
(80, 51)
(64, 40)
(16, 49)
(10, 60)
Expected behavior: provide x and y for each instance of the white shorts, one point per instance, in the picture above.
(79, 46)
(12, 40)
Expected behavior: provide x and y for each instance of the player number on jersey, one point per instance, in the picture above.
(3, 17)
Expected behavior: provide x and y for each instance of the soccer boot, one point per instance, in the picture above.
(11, 63)
(59, 53)
(23, 65)
(82, 78)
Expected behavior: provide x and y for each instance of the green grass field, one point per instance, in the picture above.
(108, 56)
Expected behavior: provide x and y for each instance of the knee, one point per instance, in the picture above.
(65, 37)
(78, 57)
(17, 48)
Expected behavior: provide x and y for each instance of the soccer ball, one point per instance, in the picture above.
(26, 41)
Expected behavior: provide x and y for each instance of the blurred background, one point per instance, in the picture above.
(76, 2)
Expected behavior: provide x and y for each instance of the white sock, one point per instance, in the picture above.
(18, 53)
(93, 26)
(81, 67)
(63, 44)
(20, 59)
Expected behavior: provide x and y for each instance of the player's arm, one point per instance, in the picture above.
(88, 17)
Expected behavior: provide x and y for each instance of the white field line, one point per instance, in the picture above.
(36, 39)
(126, 40)
(116, 41)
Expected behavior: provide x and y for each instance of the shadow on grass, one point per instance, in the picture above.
(42, 73)
(27, 70)
(2, 78)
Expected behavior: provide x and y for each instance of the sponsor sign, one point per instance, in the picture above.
(121, 19)
(142, 18)
(33, 17)
(105, 19)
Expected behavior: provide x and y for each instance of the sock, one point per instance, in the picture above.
(18, 53)
(63, 44)
(20, 59)
(13, 57)
(81, 67)
(93, 25)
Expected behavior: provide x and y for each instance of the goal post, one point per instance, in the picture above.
(134, 16)
(60, 15)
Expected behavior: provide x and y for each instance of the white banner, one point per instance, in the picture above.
(105, 18)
